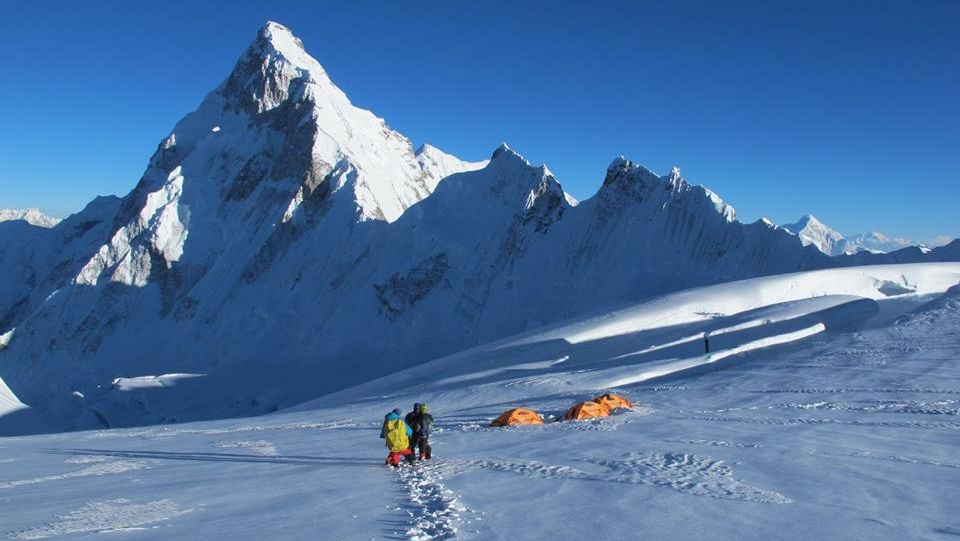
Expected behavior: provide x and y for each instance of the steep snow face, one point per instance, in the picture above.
(810, 230)
(32, 216)
(276, 73)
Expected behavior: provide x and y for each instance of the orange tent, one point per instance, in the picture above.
(613, 401)
(587, 410)
(518, 416)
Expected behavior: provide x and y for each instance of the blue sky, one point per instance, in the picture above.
(847, 110)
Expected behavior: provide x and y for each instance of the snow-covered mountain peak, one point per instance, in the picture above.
(280, 37)
(810, 221)
(810, 230)
(620, 162)
(276, 143)
(627, 178)
(507, 189)
(876, 242)
(505, 152)
(275, 67)
(275, 40)
(32, 216)
(505, 160)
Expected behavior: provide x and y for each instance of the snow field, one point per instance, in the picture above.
(848, 433)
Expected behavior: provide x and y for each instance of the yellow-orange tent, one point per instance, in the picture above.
(518, 416)
(613, 401)
(586, 410)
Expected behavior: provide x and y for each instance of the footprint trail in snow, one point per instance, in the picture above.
(691, 474)
(435, 511)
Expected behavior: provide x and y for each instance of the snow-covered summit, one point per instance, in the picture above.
(876, 242)
(308, 135)
(633, 181)
(32, 216)
(281, 38)
(276, 142)
(810, 230)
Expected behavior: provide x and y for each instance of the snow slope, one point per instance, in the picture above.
(848, 433)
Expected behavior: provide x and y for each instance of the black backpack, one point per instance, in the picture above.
(413, 421)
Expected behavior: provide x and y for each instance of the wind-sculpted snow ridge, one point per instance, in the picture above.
(286, 244)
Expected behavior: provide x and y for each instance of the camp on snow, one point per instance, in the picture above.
(518, 416)
(613, 401)
(586, 410)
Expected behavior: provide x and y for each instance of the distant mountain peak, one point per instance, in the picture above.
(877, 242)
(810, 230)
(32, 216)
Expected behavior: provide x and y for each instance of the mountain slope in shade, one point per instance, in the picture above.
(283, 244)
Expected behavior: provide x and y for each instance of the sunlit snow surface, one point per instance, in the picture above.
(851, 432)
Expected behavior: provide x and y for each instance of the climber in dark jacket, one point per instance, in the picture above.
(421, 423)
(413, 421)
